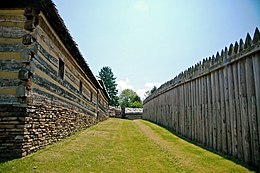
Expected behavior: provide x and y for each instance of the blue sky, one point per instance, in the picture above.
(148, 42)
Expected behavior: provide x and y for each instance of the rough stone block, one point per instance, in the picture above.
(19, 137)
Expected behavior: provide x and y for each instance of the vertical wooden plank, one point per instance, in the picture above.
(218, 112)
(201, 120)
(232, 111)
(174, 110)
(182, 108)
(197, 111)
(223, 127)
(251, 101)
(185, 110)
(172, 105)
(214, 111)
(169, 109)
(250, 92)
(240, 147)
(227, 112)
(256, 70)
(210, 112)
(203, 123)
(178, 110)
(256, 145)
(205, 110)
(244, 117)
(193, 110)
(189, 111)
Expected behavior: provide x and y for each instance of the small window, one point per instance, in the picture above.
(61, 69)
(80, 87)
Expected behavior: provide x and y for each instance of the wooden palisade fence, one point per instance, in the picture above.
(216, 102)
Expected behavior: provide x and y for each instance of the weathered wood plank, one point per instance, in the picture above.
(218, 112)
(240, 146)
(193, 110)
(256, 69)
(199, 111)
(232, 111)
(227, 112)
(244, 113)
(210, 112)
(222, 120)
(251, 101)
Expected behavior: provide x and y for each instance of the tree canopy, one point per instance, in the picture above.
(147, 93)
(107, 76)
(129, 98)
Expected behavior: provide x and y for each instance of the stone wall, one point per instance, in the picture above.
(12, 122)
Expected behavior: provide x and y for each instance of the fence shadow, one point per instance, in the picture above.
(251, 168)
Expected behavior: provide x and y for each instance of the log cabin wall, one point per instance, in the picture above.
(47, 91)
(216, 102)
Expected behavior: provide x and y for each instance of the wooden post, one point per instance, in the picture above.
(232, 111)
(227, 112)
(251, 101)
(223, 127)
(244, 117)
(210, 112)
(256, 70)
(240, 146)
(218, 112)
(214, 111)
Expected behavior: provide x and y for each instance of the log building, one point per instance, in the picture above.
(47, 90)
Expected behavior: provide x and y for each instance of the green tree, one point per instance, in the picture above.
(129, 98)
(147, 93)
(153, 89)
(107, 76)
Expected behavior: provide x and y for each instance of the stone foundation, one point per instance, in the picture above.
(25, 130)
(12, 122)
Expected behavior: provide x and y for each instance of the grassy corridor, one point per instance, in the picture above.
(118, 145)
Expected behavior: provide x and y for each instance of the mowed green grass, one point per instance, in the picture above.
(117, 145)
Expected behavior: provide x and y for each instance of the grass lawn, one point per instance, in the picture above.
(117, 145)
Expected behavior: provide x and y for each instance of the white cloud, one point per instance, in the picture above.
(123, 84)
(141, 6)
(147, 87)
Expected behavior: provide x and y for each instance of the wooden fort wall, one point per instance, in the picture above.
(45, 93)
(216, 102)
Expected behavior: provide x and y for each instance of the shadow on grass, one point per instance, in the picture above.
(3, 160)
(250, 167)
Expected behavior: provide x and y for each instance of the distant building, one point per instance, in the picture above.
(133, 113)
(114, 112)
(47, 90)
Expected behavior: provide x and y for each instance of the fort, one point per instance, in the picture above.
(216, 103)
(47, 90)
